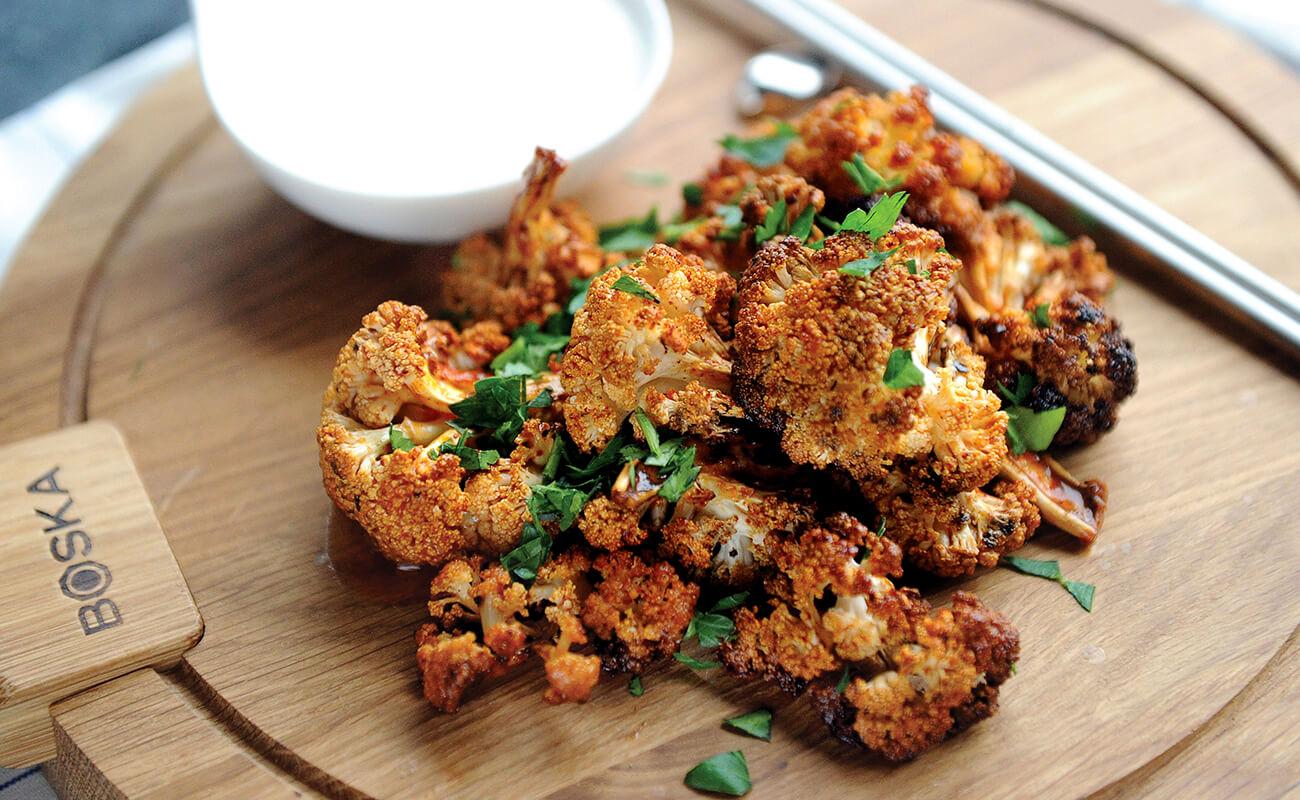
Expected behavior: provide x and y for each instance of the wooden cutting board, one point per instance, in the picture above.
(169, 291)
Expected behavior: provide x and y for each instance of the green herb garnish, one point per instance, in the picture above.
(773, 221)
(733, 222)
(843, 682)
(1040, 315)
(634, 686)
(499, 405)
(1027, 429)
(400, 441)
(560, 503)
(471, 459)
(730, 601)
(692, 194)
(534, 547)
(711, 629)
(1050, 233)
(676, 230)
(725, 773)
(901, 372)
(862, 267)
(530, 352)
(756, 723)
(1051, 570)
(882, 216)
(626, 283)
(762, 151)
(631, 235)
(867, 179)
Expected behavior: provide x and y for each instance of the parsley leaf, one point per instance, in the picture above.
(756, 723)
(711, 629)
(529, 353)
(534, 547)
(1051, 570)
(882, 216)
(676, 230)
(1029, 430)
(499, 405)
(867, 179)
(634, 686)
(1050, 233)
(695, 663)
(1040, 315)
(732, 222)
(626, 283)
(773, 221)
(550, 501)
(692, 194)
(399, 440)
(472, 459)
(862, 267)
(725, 773)
(762, 151)
(730, 601)
(648, 431)
(682, 472)
(843, 682)
(802, 226)
(901, 372)
(631, 234)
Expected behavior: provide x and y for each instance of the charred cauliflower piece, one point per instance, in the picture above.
(948, 177)
(1081, 358)
(651, 336)
(1010, 268)
(638, 610)
(724, 530)
(811, 349)
(402, 363)
(526, 277)
(955, 534)
(731, 246)
(943, 680)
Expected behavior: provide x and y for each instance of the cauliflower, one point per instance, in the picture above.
(638, 610)
(1076, 507)
(402, 363)
(942, 680)
(651, 337)
(730, 244)
(955, 534)
(562, 584)
(1081, 359)
(725, 530)
(1010, 268)
(948, 177)
(545, 246)
(496, 498)
(812, 347)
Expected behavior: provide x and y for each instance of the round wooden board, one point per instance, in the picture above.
(169, 290)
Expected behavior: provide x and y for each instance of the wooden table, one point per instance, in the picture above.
(168, 290)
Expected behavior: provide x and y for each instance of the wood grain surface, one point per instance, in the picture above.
(169, 290)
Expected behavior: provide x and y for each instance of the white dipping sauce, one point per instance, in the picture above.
(416, 96)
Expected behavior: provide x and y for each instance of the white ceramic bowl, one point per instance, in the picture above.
(257, 63)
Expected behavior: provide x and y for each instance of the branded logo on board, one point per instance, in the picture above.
(84, 581)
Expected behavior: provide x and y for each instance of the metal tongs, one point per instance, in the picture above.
(1049, 174)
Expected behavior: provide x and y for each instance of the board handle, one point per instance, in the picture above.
(89, 588)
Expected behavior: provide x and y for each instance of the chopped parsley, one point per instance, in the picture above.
(725, 773)
(692, 194)
(1051, 570)
(901, 372)
(631, 235)
(471, 459)
(695, 663)
(731, 601)
(867, 179)
(843, 682)
(530, 352)
(882, 216)
(802, 226)
(675, 460)
(1028, 430)
(772, 223)
(634, 686)
(626, 283)
(711, 629)
(1050, 233)
(554, 502)
(534, 547)
(732, 222)
(499, 405)
(399, 440)
(1040, 315)
(676, 230)
(756, 723)
(911, 269)
(762, 151)
(862, 267)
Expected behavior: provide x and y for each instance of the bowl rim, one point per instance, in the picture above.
(655, 33)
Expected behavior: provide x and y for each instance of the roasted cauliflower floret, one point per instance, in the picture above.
(410, 503)
(1081, 360)
(402, 363)
(947, 176)
(942, 680)
(724, 530)
(496, 498)
(955, 534)
(526, 277)
(731, 243)
(813, 343)
(1009, 267)
(638, 610)
(656, 342)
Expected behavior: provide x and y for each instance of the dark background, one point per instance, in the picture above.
(45, 44)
